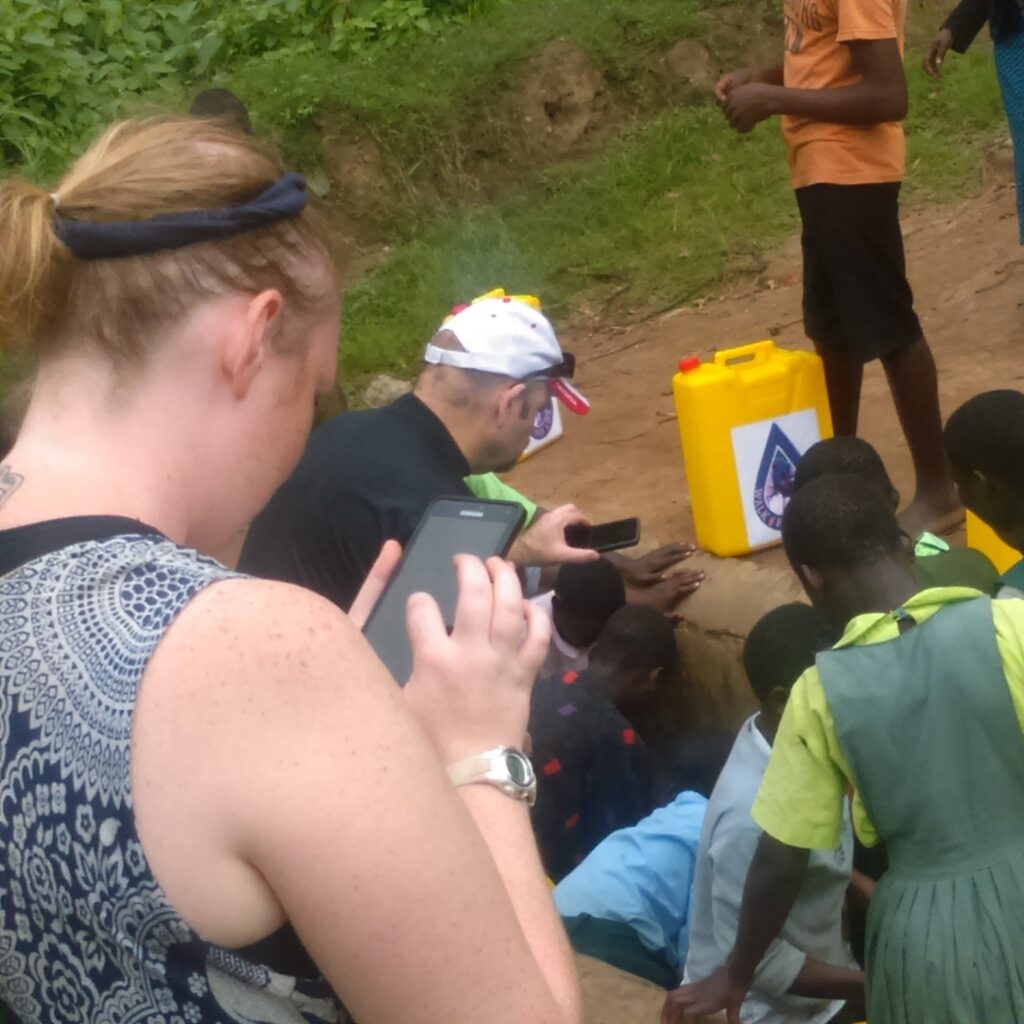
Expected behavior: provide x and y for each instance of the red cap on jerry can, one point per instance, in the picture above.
(689, 363)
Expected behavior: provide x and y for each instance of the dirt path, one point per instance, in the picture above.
(624, 459)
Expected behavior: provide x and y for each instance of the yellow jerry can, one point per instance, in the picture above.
(745, 419)
(983, 538)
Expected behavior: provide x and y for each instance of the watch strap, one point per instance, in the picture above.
(491, 767)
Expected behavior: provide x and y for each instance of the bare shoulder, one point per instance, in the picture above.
(264, 638)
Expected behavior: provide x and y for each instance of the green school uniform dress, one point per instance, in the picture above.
(1014, 576)
(927, 726)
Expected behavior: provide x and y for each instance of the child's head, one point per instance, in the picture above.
(586, 596)
(223, 105)
(837, 532)
(636, 650)
(780, 648)
(845, 455)
(985, 444)
(695, 762)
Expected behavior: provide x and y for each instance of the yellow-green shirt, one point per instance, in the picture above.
(800, 801)
(491, 487)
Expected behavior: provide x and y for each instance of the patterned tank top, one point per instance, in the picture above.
(86, 933)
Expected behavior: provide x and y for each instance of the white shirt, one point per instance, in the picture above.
(562, 656)
(815, 925)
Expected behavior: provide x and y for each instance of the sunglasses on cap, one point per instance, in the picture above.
(566, 368)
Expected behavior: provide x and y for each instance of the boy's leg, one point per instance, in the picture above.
(843, 375)
(843, 380)
(915, 391)
(862, 253)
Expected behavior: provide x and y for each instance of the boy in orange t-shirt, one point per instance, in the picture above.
(842, 94)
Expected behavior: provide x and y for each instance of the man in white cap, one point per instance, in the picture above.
(368, 477)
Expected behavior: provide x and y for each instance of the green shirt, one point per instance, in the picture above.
(491, 487)
(956, 567)
(800, 801)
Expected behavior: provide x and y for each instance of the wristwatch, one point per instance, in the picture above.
(505, 767)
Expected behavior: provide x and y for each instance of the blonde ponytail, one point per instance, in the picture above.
(33, 261)
(122, 306)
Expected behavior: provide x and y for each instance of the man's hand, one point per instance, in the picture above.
(936, 53)
(746, 106)
(732, 80)
(647, 570)
(717, 992)
(544, 542)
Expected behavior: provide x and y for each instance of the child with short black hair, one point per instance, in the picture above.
(920, 706)
(985, 443)
(936, 563)
(810, 955)
(593, 768)
(222, 104)
(628, 903)
(585, 597)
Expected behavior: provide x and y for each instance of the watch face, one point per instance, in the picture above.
(519, 768)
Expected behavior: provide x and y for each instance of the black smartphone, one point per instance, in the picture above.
(449, 527)
(623, 533)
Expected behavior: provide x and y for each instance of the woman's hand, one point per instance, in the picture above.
(374, 584)
(470, 689)
(936, 53)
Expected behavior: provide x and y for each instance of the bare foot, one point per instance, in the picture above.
(935, 513)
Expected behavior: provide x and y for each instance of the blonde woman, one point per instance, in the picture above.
(215, 805)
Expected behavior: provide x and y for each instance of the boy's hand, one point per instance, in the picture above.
(732, 80)
(715, 993)
(746, 106)
(936, 54)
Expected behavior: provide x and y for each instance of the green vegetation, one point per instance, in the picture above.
(661, 213)
(664, 214)
(67, 66)
(416, 97)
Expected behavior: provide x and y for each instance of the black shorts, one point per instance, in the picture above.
(857, 299)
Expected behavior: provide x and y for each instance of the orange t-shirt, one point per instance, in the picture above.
(817, 58)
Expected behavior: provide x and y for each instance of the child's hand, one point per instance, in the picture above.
(936, 54)
(732, 80)
(746, 106)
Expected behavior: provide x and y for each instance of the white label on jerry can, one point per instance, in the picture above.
(766, 455)
(547, 427)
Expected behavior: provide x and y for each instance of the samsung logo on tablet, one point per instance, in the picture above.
(471, 512)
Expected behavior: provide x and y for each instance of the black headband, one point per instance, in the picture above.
(93, 240)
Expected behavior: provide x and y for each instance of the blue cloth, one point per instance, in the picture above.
(642, 876)
(1009, 54)
(105, 240)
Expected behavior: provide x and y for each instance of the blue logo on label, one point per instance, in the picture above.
(774, 486)
(542, 424)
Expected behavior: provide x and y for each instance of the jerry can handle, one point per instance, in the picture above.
(754, 355)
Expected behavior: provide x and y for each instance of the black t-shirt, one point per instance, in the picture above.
(365, 477)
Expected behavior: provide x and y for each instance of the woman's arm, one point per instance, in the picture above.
(311, 793)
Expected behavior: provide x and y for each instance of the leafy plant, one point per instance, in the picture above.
(69, 66)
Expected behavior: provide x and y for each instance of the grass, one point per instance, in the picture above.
(664, 214)
(414, 92)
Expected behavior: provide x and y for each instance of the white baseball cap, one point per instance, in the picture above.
(510, 336)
